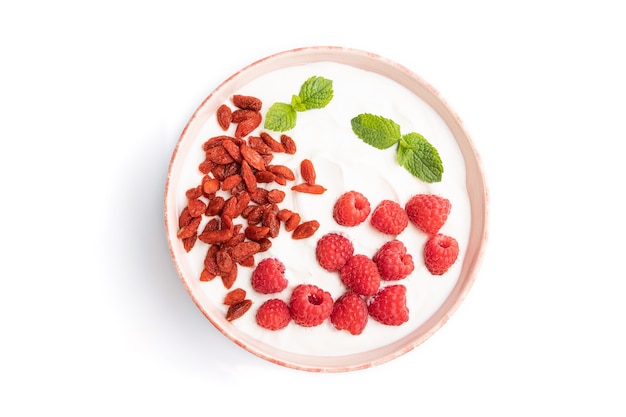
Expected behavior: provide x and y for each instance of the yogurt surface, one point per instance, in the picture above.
(343, 162)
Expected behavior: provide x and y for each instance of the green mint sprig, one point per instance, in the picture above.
(315, 93)
(414, 152)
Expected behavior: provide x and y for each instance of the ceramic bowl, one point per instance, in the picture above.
(345, 352)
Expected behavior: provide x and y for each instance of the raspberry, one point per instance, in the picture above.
(273, 314)
(428, 212)
(389, 218)
(393, 262)
(351, 209)
(310, 305)
(388, 306)
(440, 253)
(360, 274)
(349, 313)
(333, 251)
(269, 276)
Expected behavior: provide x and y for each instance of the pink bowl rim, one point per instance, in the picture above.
(344, 55)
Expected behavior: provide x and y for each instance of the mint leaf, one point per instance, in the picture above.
(420, 158)
(297, 104)
(414, 152)
(316, 92)
(377, 131)
(280, 117)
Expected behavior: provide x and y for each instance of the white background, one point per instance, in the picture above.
(93, 97)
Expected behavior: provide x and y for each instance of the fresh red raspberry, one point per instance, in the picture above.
(428, 212)
(350, 313)
(269, 276)
(388, 306)
(351, 209)
(440, 253)
(333, 251)
(389, 218)
(273, 314)
(310, 305)
(360, 274)
(393, 262)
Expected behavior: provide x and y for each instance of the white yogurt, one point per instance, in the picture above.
(343, 162)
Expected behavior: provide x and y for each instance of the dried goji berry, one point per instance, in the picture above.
(275, 196)
(284, 214)
(292, 222)
(307, 170)
(224, 115)
(219, 155)
(189, 242)
(230, 182)
(246, 127)
(184, 217)
(193, 193)
(247, 102)
(242, 114)
(229, 278)
(255, 233)
(305, 230)
(243, 199)
(255, 215)
(288, 143)
(205, 275)
(221, 171)
(272, 143)
(210, 263)
(230, 207)
(215, 206)
(246, 211)
(271, 221)
(196, 207)
(249, 261)
(238, 189)
(211, 225)
(264, 176)
(214, 141)
(280, 180)
(265, 244)
(267, 158)
(248, 176)
(233, 150)
(243, 250)
(189, 229)
(235, 296)
(256, 143)
(226, 223)
(235, 240)
(238, 309)
(283, 171)
(252, 157)
(210, 185)
(206, 166)
(308, 188)
(215, 236)
(224, 261)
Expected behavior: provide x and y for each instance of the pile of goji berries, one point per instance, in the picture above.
(237, 197)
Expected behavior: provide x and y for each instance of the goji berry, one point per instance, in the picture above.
(306, 229)
(307, 170)
(224, 115)
(309, 188)
(238, 309)
(247, 102)
(288, 143)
